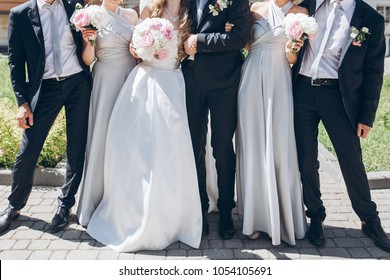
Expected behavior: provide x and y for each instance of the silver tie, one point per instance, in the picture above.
(329, 24)
(200, 6)
(55, 36)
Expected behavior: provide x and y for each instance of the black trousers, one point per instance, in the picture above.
(73, 94)
(222, 105)
(315, 103)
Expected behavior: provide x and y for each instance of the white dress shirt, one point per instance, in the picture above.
(70, 63)
(340, 32)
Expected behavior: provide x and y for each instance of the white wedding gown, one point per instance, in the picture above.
(268, 184)
(151, 197)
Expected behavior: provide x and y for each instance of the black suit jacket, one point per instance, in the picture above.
(218, 60)
(361, 68)
(26, 48)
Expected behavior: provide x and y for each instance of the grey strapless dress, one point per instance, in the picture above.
(113, 65)
(268, 184)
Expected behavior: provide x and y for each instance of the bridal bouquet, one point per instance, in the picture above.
(300, 27)
(92, 17)
(154, 40)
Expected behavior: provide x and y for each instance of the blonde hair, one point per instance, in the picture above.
(157, 10)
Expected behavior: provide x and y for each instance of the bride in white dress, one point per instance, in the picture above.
(151, 196)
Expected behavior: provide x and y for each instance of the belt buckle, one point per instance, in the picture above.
(59, 79)
(312, 82)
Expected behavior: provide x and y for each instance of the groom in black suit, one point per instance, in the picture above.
(56, 78)
(212, 75)
(338, 80)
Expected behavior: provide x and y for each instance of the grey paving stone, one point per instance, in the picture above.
(63, 245)
(49, 201)
(15, 255)
(219, 254)
(175, 245)
(111, 255)
(335, 252)
(244, 254)
(40, 255)
(339, 232)
(260, 243)
(59, 255)
(309, 253)
(358, 253)
(6, 244)
(378, 253)
(21, 244)
(40, 225)
(35, 201)
(82, 255)
(176, 254)
(87, 245)
(36, 245)
(71, 235)
(216, 244)
(42, 209)
(126, 256)
(204, 244)
(263, 254)
(348, 242)
(51, 236)
(184, 246)
(150, 255)
(194, 253)
(27, 234)
(233, 243)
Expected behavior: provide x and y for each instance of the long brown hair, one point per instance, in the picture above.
(157, 10)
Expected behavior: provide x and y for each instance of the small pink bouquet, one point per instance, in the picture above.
(92, 17)
(300, 27)
(154, 40)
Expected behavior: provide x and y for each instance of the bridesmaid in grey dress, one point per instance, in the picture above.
(268, 183)
(113, 64)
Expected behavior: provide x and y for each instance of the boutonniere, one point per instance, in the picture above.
(218, 6)
(358, 36)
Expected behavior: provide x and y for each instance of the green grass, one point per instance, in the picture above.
(376, 148)
(54, 149)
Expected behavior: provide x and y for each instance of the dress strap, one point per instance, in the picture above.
(286, 7)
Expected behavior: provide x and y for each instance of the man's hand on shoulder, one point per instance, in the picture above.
(24, 117)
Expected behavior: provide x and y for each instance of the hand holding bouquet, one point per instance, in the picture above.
(299, 27)
(154, 40)
(89, 17)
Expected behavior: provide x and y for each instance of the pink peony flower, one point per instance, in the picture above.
(147, 39)
(161, 54)
(156, 26)
(80, 20)
(294, 30)
(166, 32)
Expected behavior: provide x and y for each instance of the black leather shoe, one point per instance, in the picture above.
(315, 233)
(60, 219)
(205, 225)
(226, 226)
(374, 230)
(6, 217)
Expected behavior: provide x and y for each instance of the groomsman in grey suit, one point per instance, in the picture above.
(338, 80)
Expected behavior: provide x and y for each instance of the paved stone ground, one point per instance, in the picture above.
(29, 238)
